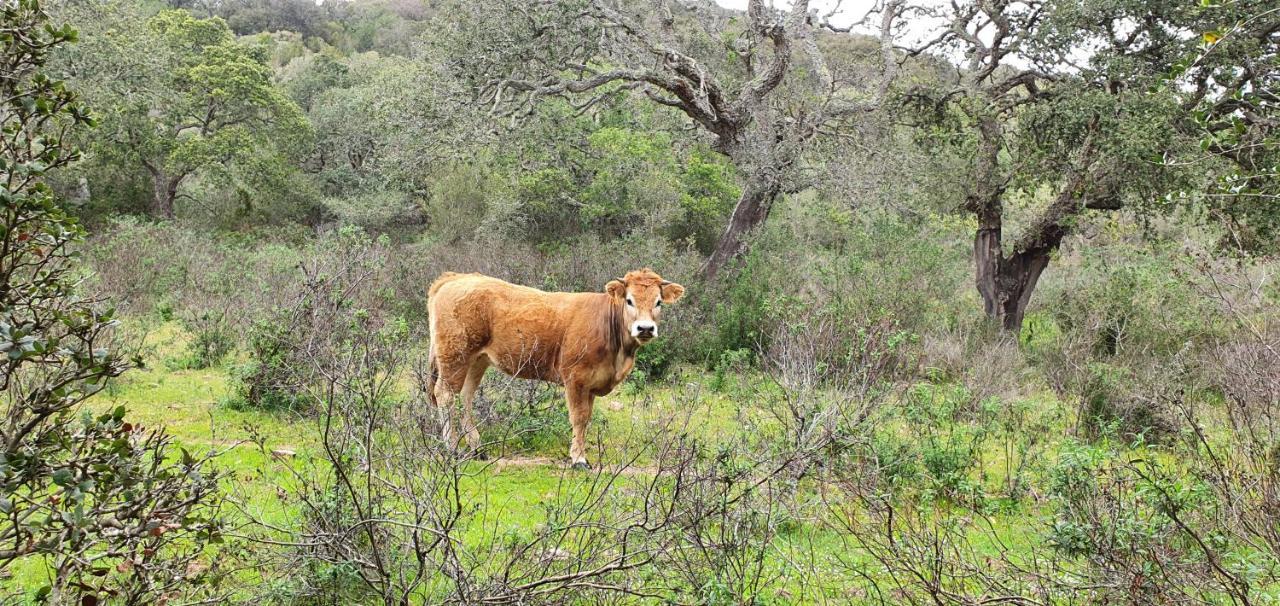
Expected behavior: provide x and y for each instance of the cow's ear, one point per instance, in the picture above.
(616, 288)
(671, 292)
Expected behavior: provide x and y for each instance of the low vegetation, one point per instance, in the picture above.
(961, 326)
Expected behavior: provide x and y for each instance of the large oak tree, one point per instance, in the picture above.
(759, 85)
(177, 95)
(1064, 109)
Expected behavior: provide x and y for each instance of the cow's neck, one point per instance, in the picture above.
(624, 359)
(622, 345)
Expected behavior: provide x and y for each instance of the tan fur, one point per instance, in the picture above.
(580, 340)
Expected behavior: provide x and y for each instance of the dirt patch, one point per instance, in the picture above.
(517, 461)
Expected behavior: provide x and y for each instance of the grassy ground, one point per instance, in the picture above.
(192, 406)
(1021, 441)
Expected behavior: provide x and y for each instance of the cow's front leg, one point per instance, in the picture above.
(474, 376)
(580, 403)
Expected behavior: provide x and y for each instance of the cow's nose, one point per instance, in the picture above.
(645, 329)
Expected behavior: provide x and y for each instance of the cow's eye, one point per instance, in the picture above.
(658, 304)
(630, 303)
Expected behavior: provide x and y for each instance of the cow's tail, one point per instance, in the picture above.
(433, 370)
(433, 373)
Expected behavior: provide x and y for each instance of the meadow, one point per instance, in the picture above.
(527, 477)
(980, 303)
(925, 458)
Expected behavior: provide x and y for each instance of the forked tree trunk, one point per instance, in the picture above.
(749, 214)
(1006, 283)
(164, 193)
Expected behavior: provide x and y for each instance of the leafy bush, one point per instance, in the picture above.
(212, 339)
(521, 416)
(950, 462)
(293, 341)
(896, 461)
(271, 378)
(106, 508)
(1137, 525)
(458, 201)
(377, 212)
(709, 193)
(732, 362)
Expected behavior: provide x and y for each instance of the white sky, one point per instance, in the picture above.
(916, 29)
(851, 11)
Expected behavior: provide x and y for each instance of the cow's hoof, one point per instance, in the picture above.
(582, 466)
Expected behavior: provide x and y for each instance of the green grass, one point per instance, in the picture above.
(1026, 435)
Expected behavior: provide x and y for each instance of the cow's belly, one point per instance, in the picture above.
(524, 363)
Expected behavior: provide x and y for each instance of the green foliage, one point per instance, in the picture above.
(708, 195)
(548, 208)
(458, 201)
(1234, 117)
(212, 340)
(110, 507)
(308, 76)
(195, 100)
(632, 174)
(1108, 511)
(1131, 308)
(896, 461)
(526, 424)
(377, 211)
(950, 465)
(1129, 326)
(657, 359)
(270, 378)
(314, 314)
(731, 362)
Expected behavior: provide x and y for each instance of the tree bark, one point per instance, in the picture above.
(165, 193)
(1006, 282)
(749, 214)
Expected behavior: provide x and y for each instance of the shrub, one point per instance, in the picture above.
(896, 461)
(100, 506)
(458, 201)
(732, 362)
(212, 339)
(292, 342)
(1138, 527)
(522, 415)
(379, 211)
(950, 462)
(708, 197)
(272, 376)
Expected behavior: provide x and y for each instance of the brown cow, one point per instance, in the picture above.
(584, 341)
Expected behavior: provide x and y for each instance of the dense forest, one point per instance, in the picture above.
(980, 300)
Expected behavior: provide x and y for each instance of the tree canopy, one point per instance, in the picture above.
(180, 95)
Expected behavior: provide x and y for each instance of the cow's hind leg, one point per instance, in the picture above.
(474, 374)
(450, 379)
(580, 403)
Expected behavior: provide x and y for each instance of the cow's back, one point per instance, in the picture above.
(520, 329)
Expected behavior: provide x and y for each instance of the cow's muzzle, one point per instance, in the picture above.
(643, 331)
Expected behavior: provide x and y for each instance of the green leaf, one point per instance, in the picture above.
(63, 477)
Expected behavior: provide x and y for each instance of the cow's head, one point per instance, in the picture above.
(642, 293)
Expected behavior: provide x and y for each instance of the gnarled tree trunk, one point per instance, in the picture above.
(749, 214)
(1006, 283)
(165, 193)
